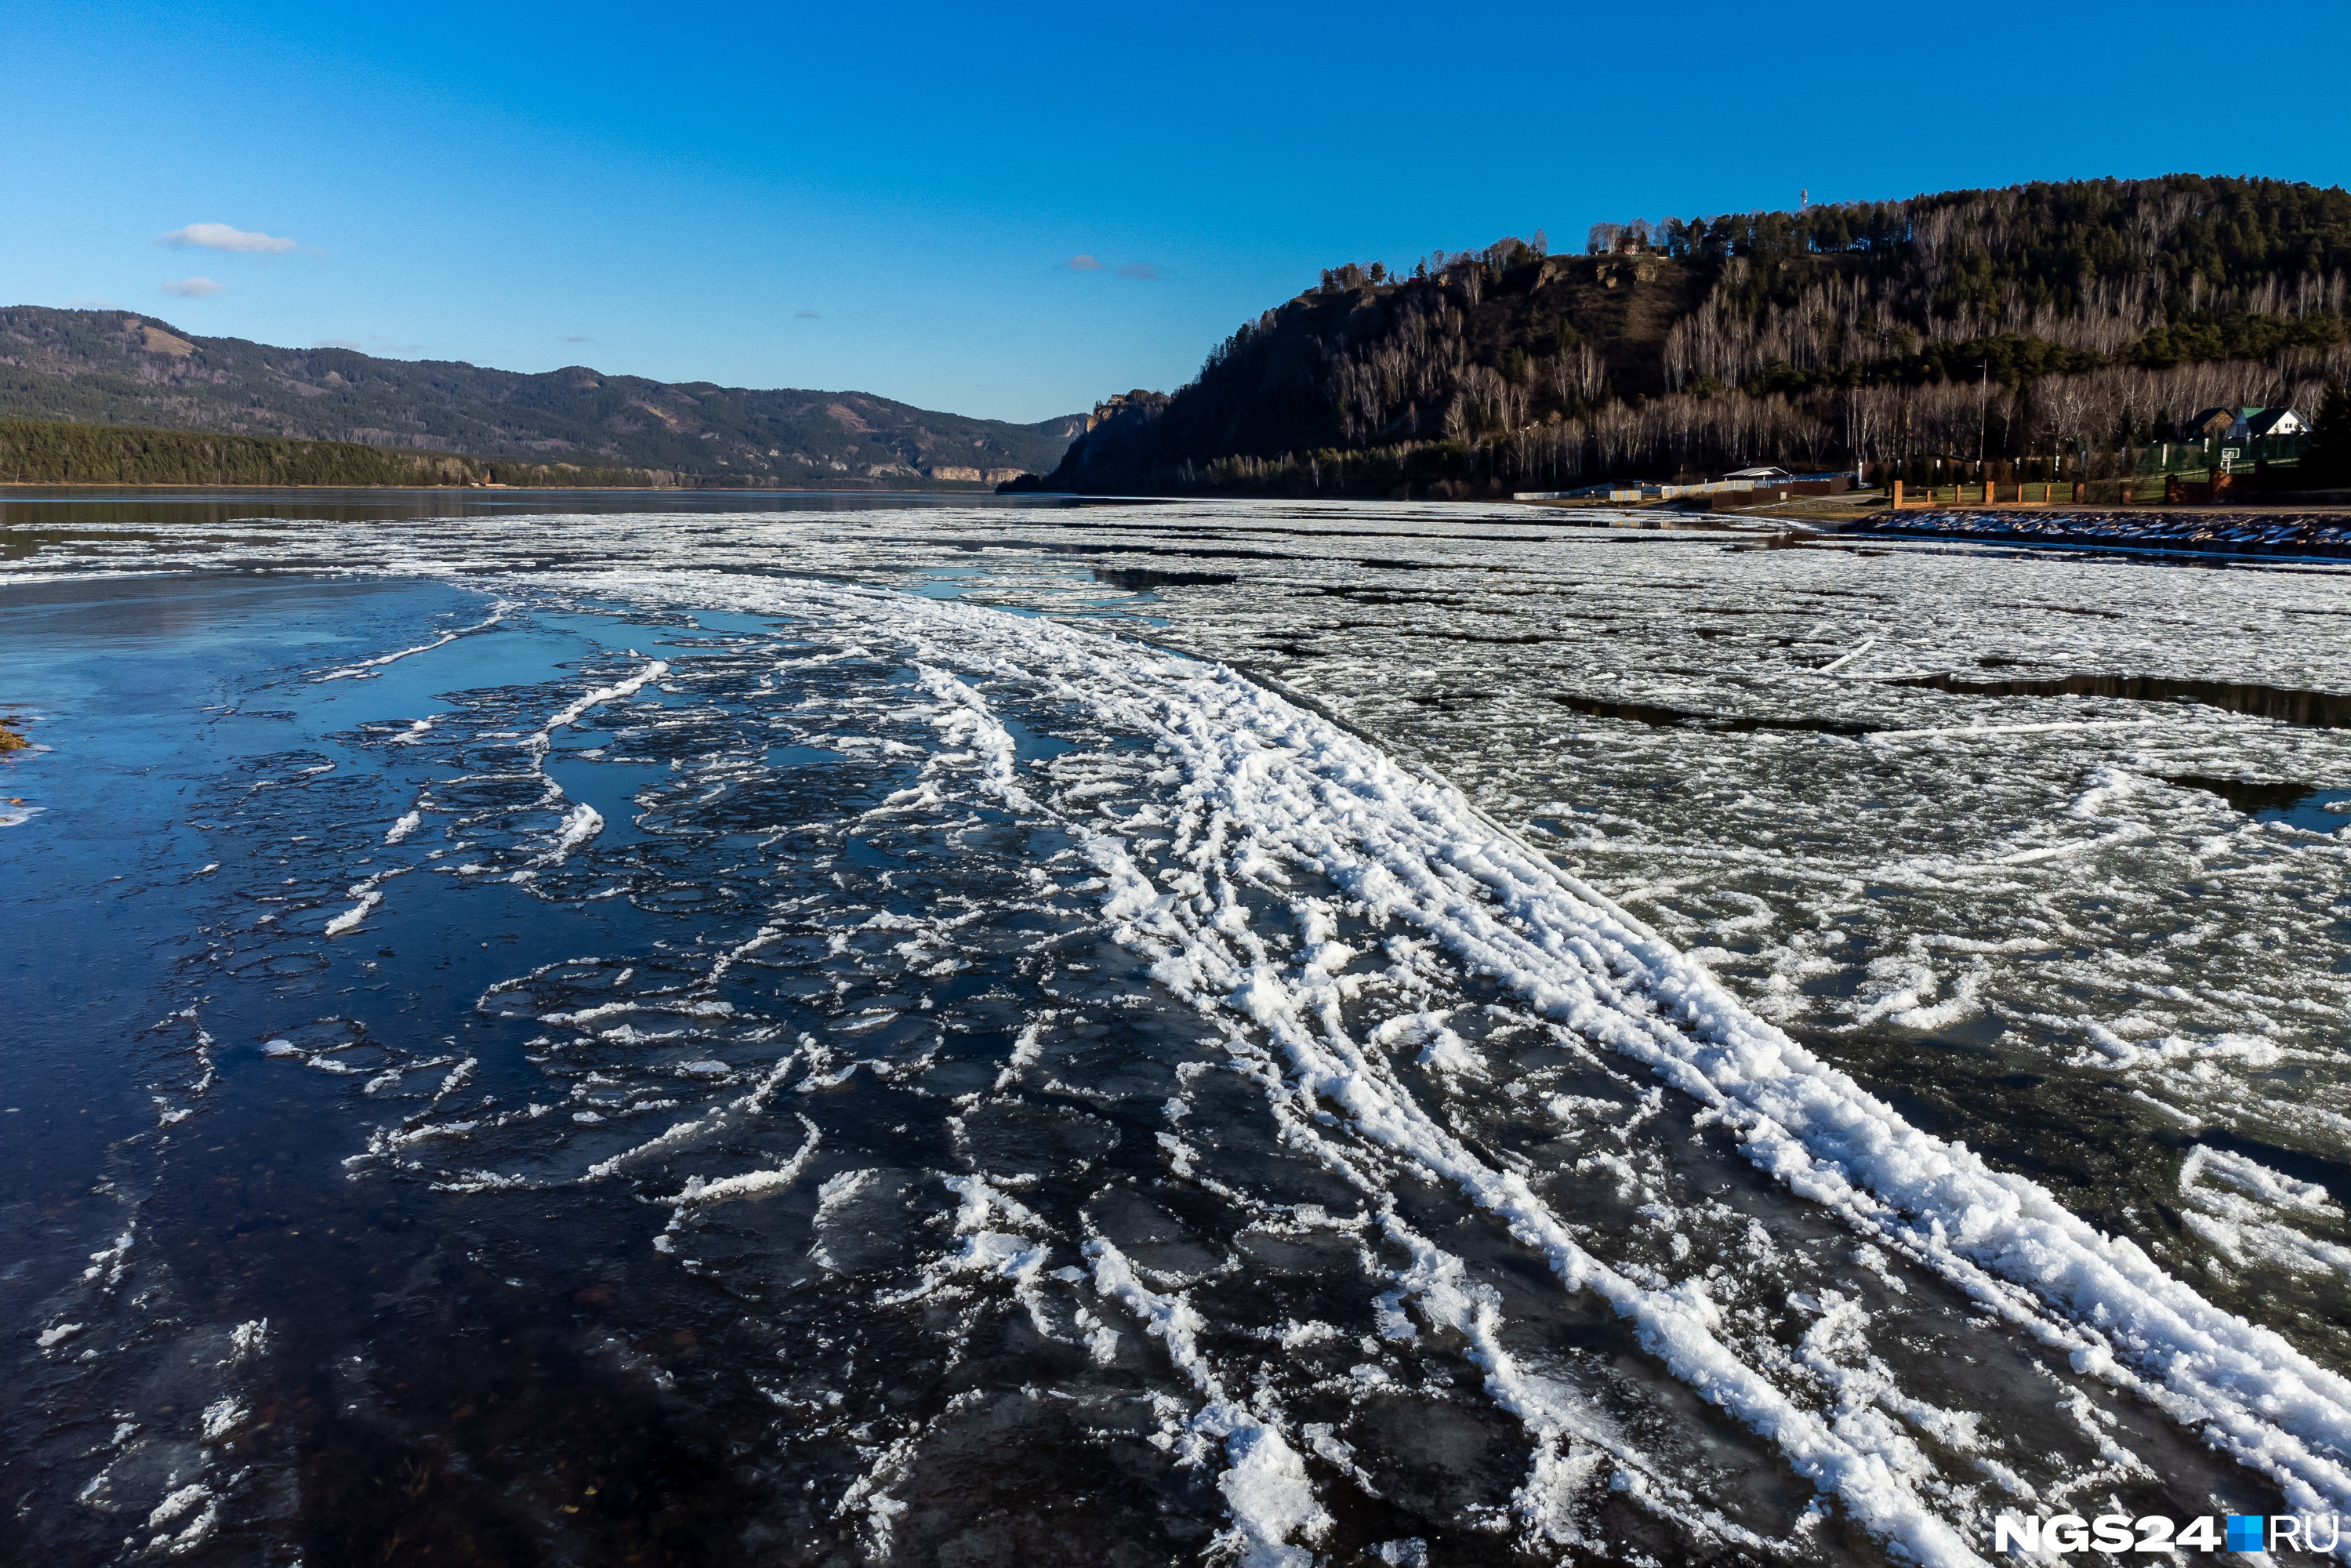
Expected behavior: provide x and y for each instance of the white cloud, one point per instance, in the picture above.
(1082, 264)
(804, 316)
(91, 304)
(220, 236)
(193, 287)
(1138, 269)
(338, 343)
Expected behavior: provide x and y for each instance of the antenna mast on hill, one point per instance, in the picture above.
(1804, 199)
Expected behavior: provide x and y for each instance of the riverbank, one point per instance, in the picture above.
(46, 455)
(2303, 534)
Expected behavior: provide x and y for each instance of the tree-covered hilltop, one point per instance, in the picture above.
(36, 452)
(118, 368)
(1994, 324)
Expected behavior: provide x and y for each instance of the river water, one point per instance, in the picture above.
(841, 1031)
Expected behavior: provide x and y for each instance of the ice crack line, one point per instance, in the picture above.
(360, 670)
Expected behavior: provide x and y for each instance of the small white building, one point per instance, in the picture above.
(2241, 423)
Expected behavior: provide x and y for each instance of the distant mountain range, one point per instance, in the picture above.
(122, 368)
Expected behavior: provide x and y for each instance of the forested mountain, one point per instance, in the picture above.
(2038, 320)
(111, 367)
(48, 452)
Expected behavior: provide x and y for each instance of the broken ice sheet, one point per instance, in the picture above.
(1573, 1295)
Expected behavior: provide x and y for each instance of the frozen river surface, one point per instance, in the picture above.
(1247, 1033)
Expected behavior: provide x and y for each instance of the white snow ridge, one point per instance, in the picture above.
(975, 1089)
(1262, 785)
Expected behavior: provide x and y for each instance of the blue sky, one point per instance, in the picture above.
(887, 197)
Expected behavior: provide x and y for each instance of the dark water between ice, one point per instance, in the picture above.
(650, 1080)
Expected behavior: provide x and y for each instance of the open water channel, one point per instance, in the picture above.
(827, 1030)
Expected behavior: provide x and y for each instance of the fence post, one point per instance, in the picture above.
(1895, 500)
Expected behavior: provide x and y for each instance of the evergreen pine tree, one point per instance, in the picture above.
(2327, 460)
